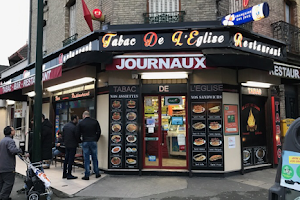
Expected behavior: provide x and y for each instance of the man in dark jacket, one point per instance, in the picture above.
(46, 141)
(71, 143)
(89, 130)
(8, 150)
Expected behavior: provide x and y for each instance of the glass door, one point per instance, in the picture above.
(165, 132)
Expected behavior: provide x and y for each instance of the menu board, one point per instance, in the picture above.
(123, 143)
(207, 133)
(253, 128)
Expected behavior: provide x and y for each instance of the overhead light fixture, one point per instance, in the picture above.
(31, 94)
(256, 84)
(164, 75)
(70, 84)
(10, 102)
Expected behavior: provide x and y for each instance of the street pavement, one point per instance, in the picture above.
(250, 186)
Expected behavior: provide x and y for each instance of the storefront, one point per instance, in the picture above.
(173, 100)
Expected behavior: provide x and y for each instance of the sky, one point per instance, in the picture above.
(14, 26)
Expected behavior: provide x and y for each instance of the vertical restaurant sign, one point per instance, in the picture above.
(254, 13)
(124, 115)
(245, 3)
(231, 119)
(158, 62)
(276, 129)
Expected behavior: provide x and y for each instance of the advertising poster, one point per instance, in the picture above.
(231, 123)
(253, 129)
(290, 172)
(123, 125)
(206, 127)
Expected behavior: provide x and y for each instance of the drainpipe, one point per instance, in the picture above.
(29, 34)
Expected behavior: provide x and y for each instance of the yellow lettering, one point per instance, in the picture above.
(176, 37)
(107, 38)
(192, 34)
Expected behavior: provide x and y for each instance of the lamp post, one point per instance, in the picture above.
(38, 86)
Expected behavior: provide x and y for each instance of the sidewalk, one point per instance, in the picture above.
(68, 187)
(251, 186)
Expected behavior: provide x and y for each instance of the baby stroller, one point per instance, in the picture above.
(36, 182)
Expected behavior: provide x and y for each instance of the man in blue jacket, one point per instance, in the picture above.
(89, 130)
(8, 150)
(71, 143)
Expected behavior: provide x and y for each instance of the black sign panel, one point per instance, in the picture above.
(123, 143)
(164, 88)
(74, 95)
(253, 45)
(206, 127)
(253, 127)
(164, 41)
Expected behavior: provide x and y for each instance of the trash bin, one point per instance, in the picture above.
(287, 181)
(22, 145)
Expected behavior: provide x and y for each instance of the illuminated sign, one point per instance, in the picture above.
(286, 72)
(254, 13)
(254, 46)
(158, 62)
(255, 91)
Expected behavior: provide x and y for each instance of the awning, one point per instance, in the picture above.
(89, 58)
(235, 59)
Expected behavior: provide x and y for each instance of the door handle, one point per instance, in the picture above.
(162, 136)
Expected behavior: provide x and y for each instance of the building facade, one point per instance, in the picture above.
(205, 117)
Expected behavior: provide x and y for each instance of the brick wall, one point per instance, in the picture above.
(199, 10)
(282, 101)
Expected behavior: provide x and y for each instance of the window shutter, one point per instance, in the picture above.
(72, 20)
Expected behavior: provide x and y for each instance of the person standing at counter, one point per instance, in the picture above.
(90, 131)
(71, 143)
(8, 150)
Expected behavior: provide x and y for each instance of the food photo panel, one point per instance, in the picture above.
(199, 126)
(215, 142)
(248, 156)
(131, 139)
(131, 150)
(131, 127)
(199, 159)
(116, 127)
(116, 162)
(116, 116)
(199, 143)
(131, 104)
(131, 162)
(131, 116)
(116, 150)
(116, 104)
(116, 139)
(214, 109)
(260, 155)
(215, 159)
(199, 109)
(214, 125)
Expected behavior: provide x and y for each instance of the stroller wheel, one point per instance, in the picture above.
(33, 196)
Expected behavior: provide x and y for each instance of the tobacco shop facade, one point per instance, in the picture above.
(192, 101)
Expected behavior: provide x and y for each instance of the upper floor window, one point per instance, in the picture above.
(72, 28)
(235, 5)
(163, 6)
(289, 10)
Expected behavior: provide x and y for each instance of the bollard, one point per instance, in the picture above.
(287, 181)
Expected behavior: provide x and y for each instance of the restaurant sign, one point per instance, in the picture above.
(158, 62)
(47, 75)
(74, 95)
(285, 71)
(241, 42)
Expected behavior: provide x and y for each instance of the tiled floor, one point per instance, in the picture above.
(69, 187)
